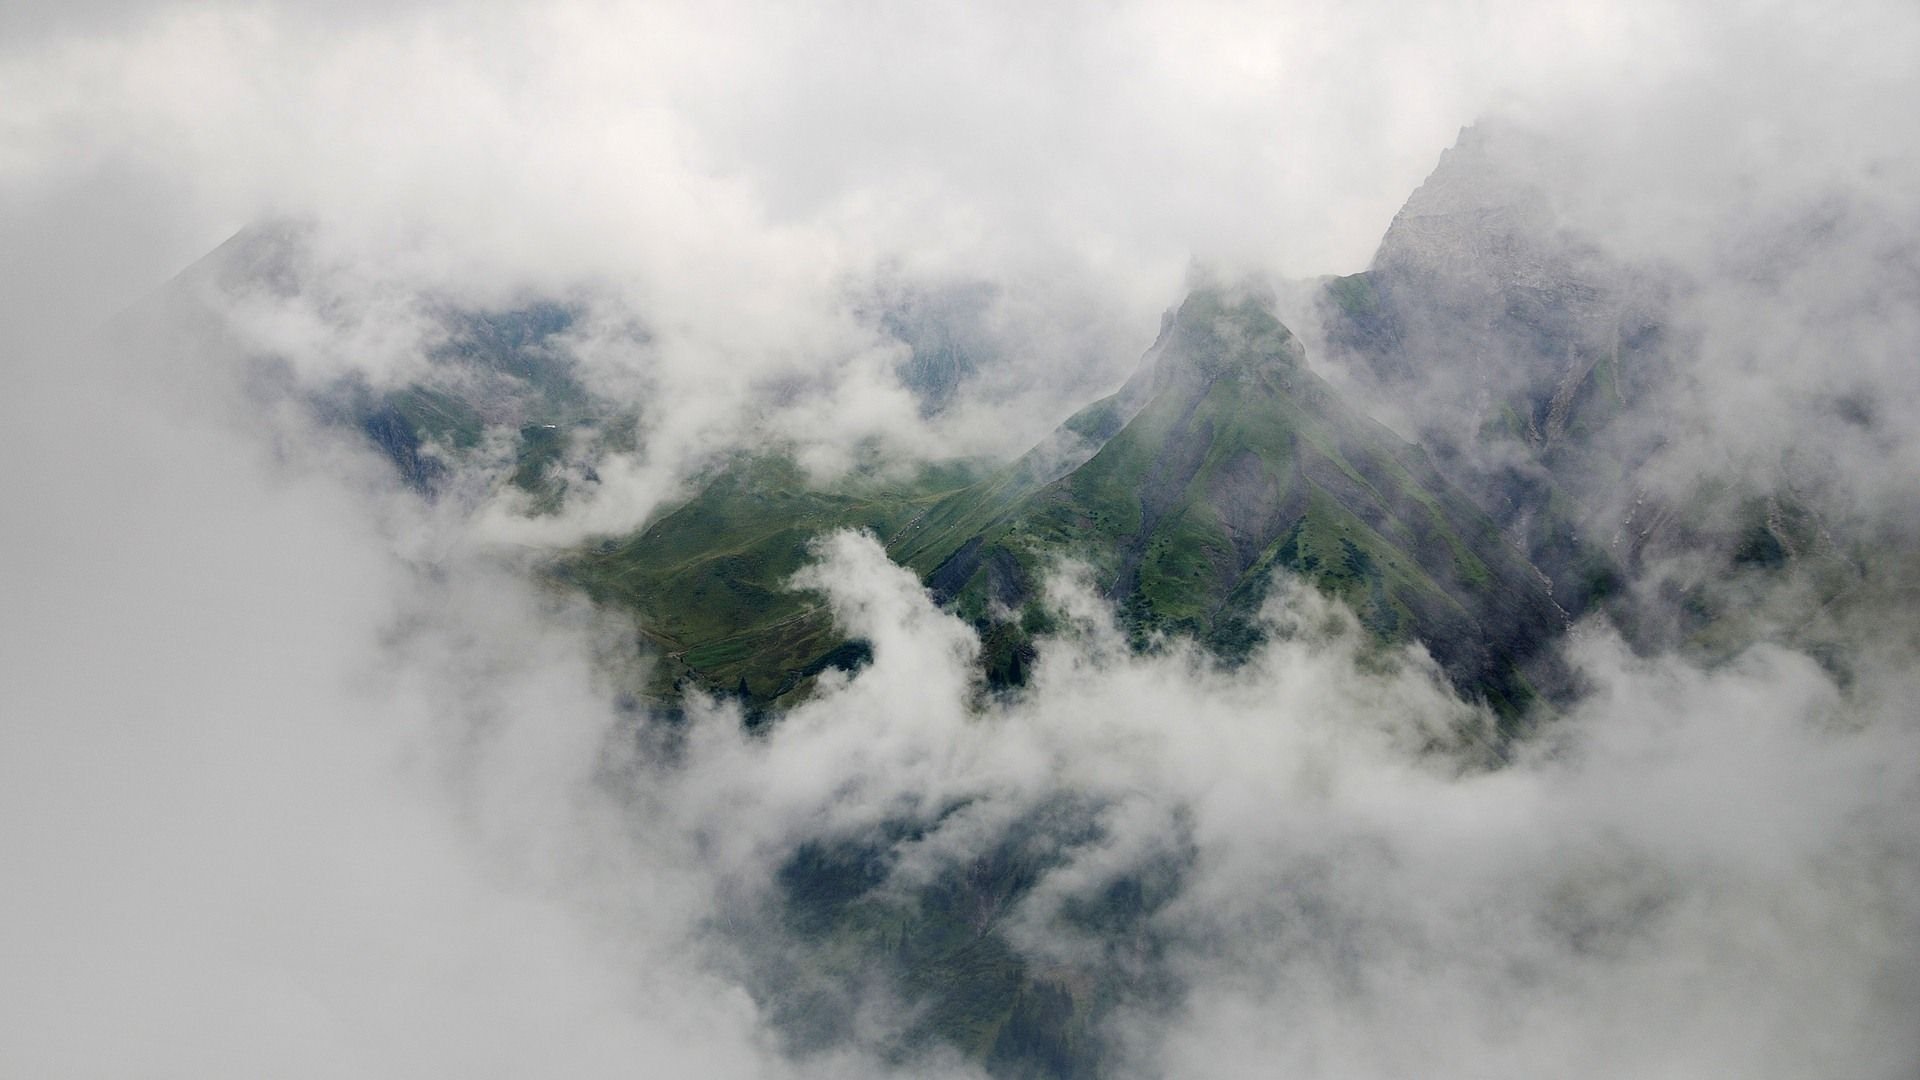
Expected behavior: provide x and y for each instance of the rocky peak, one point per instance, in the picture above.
(1482, 221)
(1221, 331)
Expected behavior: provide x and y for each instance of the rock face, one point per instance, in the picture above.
(1482, 299)
(1510, 345)
(1476, 223)
(488, 394)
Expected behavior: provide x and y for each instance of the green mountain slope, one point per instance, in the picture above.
(1223, 460)
(709, 580)
(1237, 462)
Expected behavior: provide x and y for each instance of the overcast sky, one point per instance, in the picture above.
(560, 139)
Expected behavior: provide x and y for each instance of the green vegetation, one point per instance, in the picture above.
(1355, 294)
(709, 580)
(1236, 462)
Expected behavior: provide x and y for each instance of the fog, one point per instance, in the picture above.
(305, 774)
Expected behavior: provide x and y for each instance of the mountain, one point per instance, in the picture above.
(1546, 375)
(486, 397)
(1510, 344)
(1523, 360)
(1490, 302)
(708, 580)
(941, 328)
(1223, 460)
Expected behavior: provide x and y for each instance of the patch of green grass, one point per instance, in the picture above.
(1355, 294)
(709, 581)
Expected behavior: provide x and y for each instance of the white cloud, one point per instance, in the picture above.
(1698, 870)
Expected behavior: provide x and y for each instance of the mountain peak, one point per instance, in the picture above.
(1483, 214)
(1222, 331)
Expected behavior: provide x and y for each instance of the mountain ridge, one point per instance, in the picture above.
(1222, 461)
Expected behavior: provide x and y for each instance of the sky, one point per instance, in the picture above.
(303, 776)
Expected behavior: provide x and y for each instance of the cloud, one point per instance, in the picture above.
(1696, 870)
(266, 811)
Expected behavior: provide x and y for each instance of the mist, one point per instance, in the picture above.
(307, 773)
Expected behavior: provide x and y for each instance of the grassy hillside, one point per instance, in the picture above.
(709, 580)
(1223, 461)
